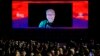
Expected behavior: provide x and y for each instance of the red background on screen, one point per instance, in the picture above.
(22, 8)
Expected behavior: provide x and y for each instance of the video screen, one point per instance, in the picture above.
(53, 14)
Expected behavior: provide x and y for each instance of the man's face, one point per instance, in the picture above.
(50, 15)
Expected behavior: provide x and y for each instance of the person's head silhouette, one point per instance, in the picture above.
(50, 15)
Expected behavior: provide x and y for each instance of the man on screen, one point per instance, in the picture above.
(50, 15)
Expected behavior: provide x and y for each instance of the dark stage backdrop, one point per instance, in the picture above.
(63, 18)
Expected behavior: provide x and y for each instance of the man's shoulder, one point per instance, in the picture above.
(43, 23)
